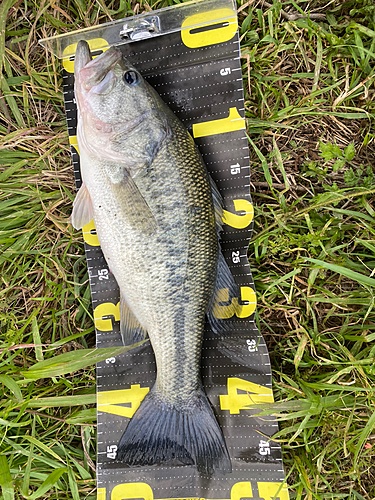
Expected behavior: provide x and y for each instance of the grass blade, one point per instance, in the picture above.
(70, 362)
(62, 401)
(348, 273)
(48, 483)
(36, 338)
(12, 386)
(6, 481)
(267, 174)
(4, 8)
(367, 430)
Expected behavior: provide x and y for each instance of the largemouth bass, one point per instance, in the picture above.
(157, 215)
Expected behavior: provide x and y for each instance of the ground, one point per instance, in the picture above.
(308, 71)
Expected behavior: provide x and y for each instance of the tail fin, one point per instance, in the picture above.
(160, 432)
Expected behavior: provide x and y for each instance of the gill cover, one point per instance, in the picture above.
(119, 125)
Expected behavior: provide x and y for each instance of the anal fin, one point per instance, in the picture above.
(131, 329)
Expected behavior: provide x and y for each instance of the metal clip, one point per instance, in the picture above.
(144, 28)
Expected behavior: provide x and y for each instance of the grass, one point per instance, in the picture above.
(309, 77)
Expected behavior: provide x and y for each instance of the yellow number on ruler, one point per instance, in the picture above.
(108, 401)
(100, 494)
(73, 142)
(193, 36)
(230, 124)
(90, 238)
(270, 491)
(94, 44)
(234, 402)
(241, 311)
(239, 221)
(241, 490)
(143, 491)
(267, 491)
(131, 491)
(106, 309)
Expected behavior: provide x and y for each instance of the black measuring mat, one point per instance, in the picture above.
(197, 72)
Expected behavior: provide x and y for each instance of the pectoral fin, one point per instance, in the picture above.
(138, 212)
(82, 208)
(131, 329)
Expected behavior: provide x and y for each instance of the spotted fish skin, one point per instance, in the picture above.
(149, 193)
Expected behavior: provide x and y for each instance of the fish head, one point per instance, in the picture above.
(120, 117)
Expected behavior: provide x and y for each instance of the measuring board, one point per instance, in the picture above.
(197, 72)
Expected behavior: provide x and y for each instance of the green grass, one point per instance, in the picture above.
(309, 96)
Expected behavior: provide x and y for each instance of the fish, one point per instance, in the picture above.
(158, 218)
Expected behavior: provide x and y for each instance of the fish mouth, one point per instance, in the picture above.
(82, 56)
(93, 71)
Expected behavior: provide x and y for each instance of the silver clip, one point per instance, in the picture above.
(143, 28)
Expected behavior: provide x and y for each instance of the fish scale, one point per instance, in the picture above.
(178, 357)
(154, 206)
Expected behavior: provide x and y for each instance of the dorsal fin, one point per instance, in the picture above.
(218, 205)
(226, 291)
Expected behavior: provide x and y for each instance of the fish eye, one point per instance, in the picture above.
(131, 77)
